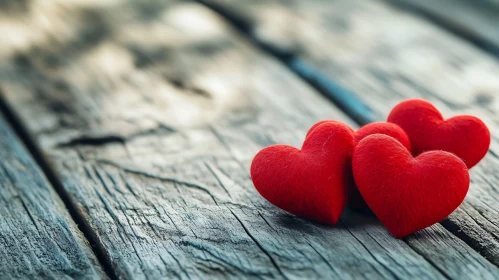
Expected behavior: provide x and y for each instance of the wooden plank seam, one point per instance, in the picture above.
(463, 32)
(88, 233)
(348, 101)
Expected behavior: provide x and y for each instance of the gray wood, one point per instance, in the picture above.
(476, 20)
(38, 239)
(151, 129)
(386, 55)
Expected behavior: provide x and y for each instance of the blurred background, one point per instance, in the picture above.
(113, 69)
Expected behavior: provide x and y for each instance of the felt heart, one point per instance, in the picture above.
(385, 128)
(311, 182)
(406, 193)
(465, 136)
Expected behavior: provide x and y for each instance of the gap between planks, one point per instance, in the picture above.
(92, 238)
(465, 31)
(346, 100)
(343, 98)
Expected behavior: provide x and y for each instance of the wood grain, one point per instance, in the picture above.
(477, 21)
(38, 239)
(385, 55)
(151, 128)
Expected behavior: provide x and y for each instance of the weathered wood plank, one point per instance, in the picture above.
(475, 20)
(38, 239)
(385, 55)
(151, 130)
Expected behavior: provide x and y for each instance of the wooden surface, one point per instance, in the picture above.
(38, 238)
(401, 56)
(477, 21)
(148, 114)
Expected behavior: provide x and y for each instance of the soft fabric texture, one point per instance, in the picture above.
(408, 194)
(465, 136)
(386, 128)
(311, 182)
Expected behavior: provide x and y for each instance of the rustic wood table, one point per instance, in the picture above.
(128, 128)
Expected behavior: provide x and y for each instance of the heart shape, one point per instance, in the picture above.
(465, 136)
(390, 129)
(311, 182)
(386, 128)
(408, 194)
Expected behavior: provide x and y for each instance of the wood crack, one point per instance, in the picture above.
(274, 263)
(217, 178)
(431, 262)
(371, 254)
(97, 247)
(323, 259)
(161, 178)
(102, 140)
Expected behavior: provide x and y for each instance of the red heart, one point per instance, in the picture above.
(385, 128)
(406, 193)
(311, 182)
(465, 136)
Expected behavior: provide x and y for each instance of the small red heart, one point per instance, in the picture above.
(465, 136)
(385, 128)
(408, 194)
(311, 182)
